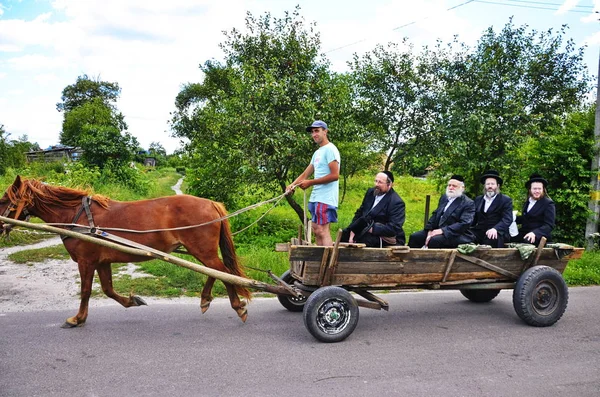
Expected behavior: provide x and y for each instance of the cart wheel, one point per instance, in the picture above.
(540, 296)
(331, 314)
(291, 303)
(480, 295)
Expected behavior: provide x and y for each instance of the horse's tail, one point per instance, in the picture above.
(228, 251)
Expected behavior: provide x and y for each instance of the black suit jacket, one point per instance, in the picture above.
(540, 220)
(388, 215)
(499, 216)
(456, 220)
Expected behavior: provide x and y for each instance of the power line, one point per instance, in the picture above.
(548, 4)
(530, 7)
(399, 27)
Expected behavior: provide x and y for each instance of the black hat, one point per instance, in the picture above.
(536, 178)
(458, 178)
(491, 174)
(389, 175)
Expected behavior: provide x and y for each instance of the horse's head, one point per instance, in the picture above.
(13, 205)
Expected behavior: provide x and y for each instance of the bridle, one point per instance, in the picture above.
(6, 228)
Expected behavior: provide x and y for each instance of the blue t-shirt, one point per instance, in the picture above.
(327, 193)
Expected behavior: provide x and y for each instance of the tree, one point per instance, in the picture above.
(12, 152)
(99, 98)
(246, 121)
(392, 90)
(93, 123)
(514, 85)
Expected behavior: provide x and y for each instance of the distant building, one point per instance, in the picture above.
(55, 153)
(150, 162)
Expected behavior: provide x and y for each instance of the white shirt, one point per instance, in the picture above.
(378, 199)
(450, 200)
(531, 204)
(487, 202)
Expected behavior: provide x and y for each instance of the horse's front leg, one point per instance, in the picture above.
(105, 275)
(86, 273)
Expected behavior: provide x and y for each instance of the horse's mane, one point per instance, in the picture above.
(34, 192)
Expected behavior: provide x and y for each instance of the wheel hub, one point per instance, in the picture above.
(333, 316)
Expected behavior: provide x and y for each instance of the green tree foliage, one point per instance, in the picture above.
(246, 121)
(393, 96)
(92, 122)
(12, 152)
(563, 153)
(514, 85)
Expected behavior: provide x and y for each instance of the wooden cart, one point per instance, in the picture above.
(321, 280)
(336, 280)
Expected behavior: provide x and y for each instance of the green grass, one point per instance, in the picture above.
(21, 236)
(40, 254)
(584, 271)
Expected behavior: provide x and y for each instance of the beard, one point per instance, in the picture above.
(491, 193)
(456, 193)
(377, 192)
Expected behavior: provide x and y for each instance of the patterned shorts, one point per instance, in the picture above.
(322, 214)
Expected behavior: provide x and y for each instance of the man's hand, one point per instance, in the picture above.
(351, 238)
(432, 233)
(530, 237)
(492, 234)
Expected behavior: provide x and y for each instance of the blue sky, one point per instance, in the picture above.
(153, 47)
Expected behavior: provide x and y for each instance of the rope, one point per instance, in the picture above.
(116, 229)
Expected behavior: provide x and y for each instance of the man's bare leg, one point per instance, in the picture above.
(322, 234)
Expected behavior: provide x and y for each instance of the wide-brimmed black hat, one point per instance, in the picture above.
(459, 178)
(536, 178)
(491, 174)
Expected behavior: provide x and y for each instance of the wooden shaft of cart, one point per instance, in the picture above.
(225, 277)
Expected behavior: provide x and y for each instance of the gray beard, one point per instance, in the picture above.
(490, 194)
(454, 194)
(377, 192)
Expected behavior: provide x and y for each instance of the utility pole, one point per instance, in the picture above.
(594, 204)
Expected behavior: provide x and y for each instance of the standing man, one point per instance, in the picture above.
(539, 213)
(323, 202)
(450, 223)
(379, 219)
(493, 212)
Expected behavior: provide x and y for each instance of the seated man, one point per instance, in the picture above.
(379, 219)
(493, 212)
(539, 213)
(450, 223)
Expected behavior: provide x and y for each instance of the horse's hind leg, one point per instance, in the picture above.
(86, 273)
(105, 275)
(206, 295)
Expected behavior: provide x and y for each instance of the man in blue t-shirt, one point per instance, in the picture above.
(323, 202)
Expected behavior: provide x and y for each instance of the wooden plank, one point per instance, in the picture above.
(449, 266)
(333, 260)
(322, 265)
(373, 298)
(487, 265)
(367, 280)
(282, 247)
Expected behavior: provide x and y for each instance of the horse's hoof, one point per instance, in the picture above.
(243, 313)
(138, 301)
(204, 306)
(69, 325)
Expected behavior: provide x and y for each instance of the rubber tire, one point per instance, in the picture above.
(480, 295)
(540, 296)
(331, 314)
(291, 303)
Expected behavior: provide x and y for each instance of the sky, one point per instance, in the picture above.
(152, 48)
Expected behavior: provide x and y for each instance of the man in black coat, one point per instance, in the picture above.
(539, 213)
(493, 212)
(379, 219)
(450, 223)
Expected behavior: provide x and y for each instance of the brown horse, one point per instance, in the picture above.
(55, 204)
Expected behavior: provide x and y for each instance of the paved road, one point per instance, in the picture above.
(429, 344)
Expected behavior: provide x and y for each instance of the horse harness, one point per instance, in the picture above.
(86, 201)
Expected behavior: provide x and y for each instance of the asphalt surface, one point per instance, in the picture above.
(428, 344)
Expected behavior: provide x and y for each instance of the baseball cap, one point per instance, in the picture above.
(316, 124)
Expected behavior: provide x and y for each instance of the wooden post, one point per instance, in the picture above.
(427, 201)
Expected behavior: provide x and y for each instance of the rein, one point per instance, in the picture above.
(86, 201)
